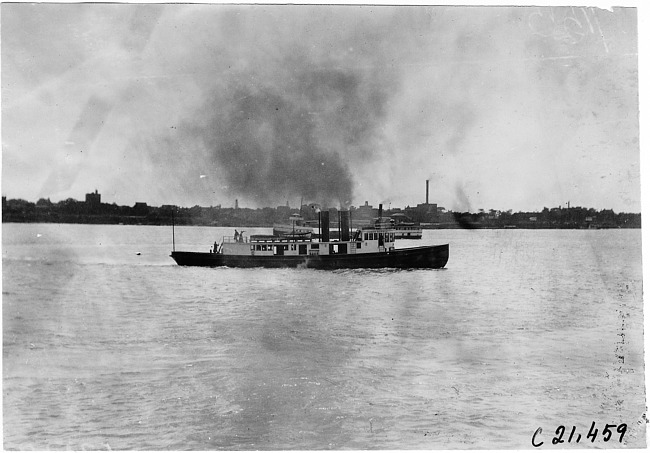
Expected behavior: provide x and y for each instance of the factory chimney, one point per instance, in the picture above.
(427, 191)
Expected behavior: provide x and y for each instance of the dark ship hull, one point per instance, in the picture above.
(427, 257)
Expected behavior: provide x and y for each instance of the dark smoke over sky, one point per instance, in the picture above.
(274, 142)
(292, 118)
(514, 108)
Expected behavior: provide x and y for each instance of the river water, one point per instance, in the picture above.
(107, 344)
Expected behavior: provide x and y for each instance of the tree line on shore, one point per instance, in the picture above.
(73, 211)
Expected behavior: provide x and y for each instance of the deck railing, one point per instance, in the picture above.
(232, 240)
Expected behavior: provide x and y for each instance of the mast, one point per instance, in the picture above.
(173, 234)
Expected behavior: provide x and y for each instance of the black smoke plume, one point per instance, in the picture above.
(270, 143)
(280, 116)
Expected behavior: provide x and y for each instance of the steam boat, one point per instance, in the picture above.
(369, 247)
(405, 228)
(294, 230)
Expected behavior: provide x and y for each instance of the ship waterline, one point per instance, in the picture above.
(433, 257)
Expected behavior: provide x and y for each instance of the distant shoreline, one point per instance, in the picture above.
(425, 216)
(446, 226)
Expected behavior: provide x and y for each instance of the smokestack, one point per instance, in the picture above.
(381, 211)
(427, 191)
(345, 225)
(325, 226)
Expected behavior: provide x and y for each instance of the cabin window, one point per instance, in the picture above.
(365, 236)
(358, 245)
(258, 247)
(314, 246)
(252, 247)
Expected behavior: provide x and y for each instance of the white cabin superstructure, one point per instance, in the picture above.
(405, 228)
(365, 240)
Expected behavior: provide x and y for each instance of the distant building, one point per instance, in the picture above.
(93, 201)
(366, 212)
(423, 212)
(283, 211)
(140, 208)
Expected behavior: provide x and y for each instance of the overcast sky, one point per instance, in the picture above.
(505, 108)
